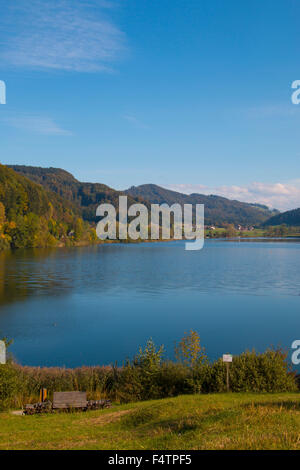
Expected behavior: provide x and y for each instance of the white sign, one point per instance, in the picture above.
(2, 353)
(227, 358)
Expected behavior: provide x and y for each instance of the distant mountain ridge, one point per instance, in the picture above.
(218, 210)
(290, 218)
(87, 196)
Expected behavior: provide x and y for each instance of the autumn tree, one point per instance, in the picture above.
(189, 350)
(2, 214)
(230, 231)
(79, 229)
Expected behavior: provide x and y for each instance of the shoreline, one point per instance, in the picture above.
(83, 244)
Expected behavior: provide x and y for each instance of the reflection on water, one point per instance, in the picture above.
(23, 273)
(97, 304)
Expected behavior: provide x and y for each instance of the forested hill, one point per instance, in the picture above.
(86, 196)
(290, 218)
(218, 210)
(32, 217)
(20, 195)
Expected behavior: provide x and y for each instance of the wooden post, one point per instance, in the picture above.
(227, 376)
(227, 358)
(43, 395)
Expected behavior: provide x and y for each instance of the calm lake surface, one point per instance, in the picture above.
(97, 305)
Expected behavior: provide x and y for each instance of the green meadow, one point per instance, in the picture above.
(190, 422)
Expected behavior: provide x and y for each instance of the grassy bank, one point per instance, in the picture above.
(216, 421)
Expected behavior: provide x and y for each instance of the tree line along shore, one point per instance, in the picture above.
(150, 376)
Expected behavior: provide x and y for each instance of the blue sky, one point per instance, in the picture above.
(193, 95)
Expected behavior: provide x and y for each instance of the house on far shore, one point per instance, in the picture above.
(240, 228)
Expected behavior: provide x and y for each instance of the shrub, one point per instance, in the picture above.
(266, 372)
(10, 385)
(129, 386)
(174, 379)
(250, 372)
(189, 350)
(149, 363)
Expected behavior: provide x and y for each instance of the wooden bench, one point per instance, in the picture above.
(68, 400)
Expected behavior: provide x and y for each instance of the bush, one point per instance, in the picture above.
(266, 372)
(129, 385)
(250, 372)
(10, 385)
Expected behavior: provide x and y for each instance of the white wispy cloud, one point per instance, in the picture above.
(282, 196)
(136, 122)
(60, 34)
(36, 124)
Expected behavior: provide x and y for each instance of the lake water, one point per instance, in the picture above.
(97, 305)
